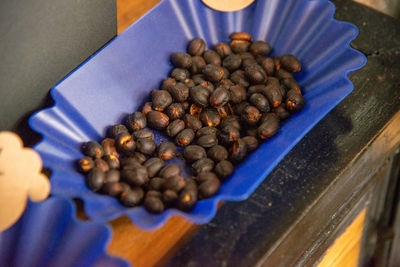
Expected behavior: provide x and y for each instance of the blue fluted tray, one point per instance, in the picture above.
(48, 234)
(119, 78)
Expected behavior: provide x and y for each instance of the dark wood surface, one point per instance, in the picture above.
(243, 233)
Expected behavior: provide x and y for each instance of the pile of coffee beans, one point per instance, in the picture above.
(218, 104)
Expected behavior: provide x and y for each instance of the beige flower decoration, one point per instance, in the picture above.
(20, 177)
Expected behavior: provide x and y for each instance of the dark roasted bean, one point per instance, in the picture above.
(180, 74)
(157, 120)
(192, 122)
(175, 111)
(85, 164)
(239, 46)
(231, 120)
(198, 78)
(238, 108)
(153, 205)
(193, 153)
(251, 142)
(251, 115)
(170, 170)
(208, 85)
(248, 62)
(224, 169)
(273, 95)
(202, 165)
(181, 60)
(268, 128)
(112, 161)
(219, 97)
(210, 117)
(209, 188)
(281, 112)
(168, 83)
(133, 197)
(112, 189)
(213, 72)
(246, 55)
(260, 102)
(232, 62)
(294, 101)
(153, 166)
(196, 47)
(204, 176)
(153, 193)
(161, 100)
(252, 131)
(290, 63)
(256, 74)
(112, 176)
(260, 48)
(199, 95)
(175, 183)
(241, 36)
(95, 179)
(207, 130)
(289, 84)
(226, 83)
(129, 162)
(156, 183)
(189, 83)
(166, 151)
(195, 110)
(207, 140)
(180, 92)
(185, 137)
(109, 148)
(125, 144)
(239, 77)
(283, 74)
(143, 134)
(229, 134)
(175, 127)
(226, 75)
(198, 64)
(115, 130)
(92, 149)
(268, 65)
(146, 146)
(139, 157)
(258, 88)
(217, 153)
(135, 176)
(238, 151)
(223, 50)
(137, 120)
(169, 197)
(187, 198)
(212, 57)
(125, 187)
(147, 107)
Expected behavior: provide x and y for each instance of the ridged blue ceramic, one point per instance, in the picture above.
(48, 234)
(118, 79)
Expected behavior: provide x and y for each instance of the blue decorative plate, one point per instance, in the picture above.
(119, 78)
(48, 234)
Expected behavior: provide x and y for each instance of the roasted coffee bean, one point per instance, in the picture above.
(268, 128)
(213, 72)
(232, 62)
(198, 64)
(180, 92)
(283, 74)
(170, 170)
(112, 175)
(139, 157)
(229, 134)
(258, 88)
(208, 85)
(246, 55)
(239, 46)
(146, 146)
(181, 60)
(198, 78)
(260, 102)
(125, 187)
(92, 149)
(137, 120)
(273, 95)
(210, 117)
(212, 57)
(191, 183)
(187, 198)
(175, 183)
(112, 161)
(289, 84)
(226, 83)
(147, 107)
(180, 74)
(153, 193)
(112, 189)
(204, 176)
(252, 131)
(232, 120)
(169, 197)
(241, 36)
(157, 120)
(207, 130)
(153, 205)
(109, 148)
(199, 95)
(223, 50)
(260, 48)
(95, 179)
(224, 169)
(239, 77)
(156, 183)
(192, 122)
(238, 151)
(294, 101)
(166, 151)
(256, 74)
(217, 153)
(193, 153)
(225, 111)
(219, 97)
(115, 130)
(238, 108)
(153, 166)
(281, 112)
(135, 176)
(85, 164)
(290, 63)
(248, 62)
(196, 47)
(175, 127)
(133, 197)
(143, 134)
(175, 111)
(129, 163)
(185, 137)
(251, 143)
(195, 110)
(207, 140)
(125, 144)
(251, 115)
(268, 65)
(209, 188)
(161, 100)
(202, 165)
(168, 83)
(189, 83)
(226, 75)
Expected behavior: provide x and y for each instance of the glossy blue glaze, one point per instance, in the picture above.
(119, 78)
(48, 234)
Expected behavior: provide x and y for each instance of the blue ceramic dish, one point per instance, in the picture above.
(118, 80)
(48, 234)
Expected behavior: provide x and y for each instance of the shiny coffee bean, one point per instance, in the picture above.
(169, 197)
(251, 115)
(283, 74)
(147, 107)
(268, 128)
(213, 72)
(92, 149)
(153, 166)
(207, 130)
(258, 88)
(189, 83)
(289, 84)
(112, 161)
(143, 134)
(198, 64)
(180, 92)
(112, 189)
(219, 97)
(256, 74)
(193, 153)
(290, 63)
(136, 121)
(226, 83)
(125, 187)
(209, 188)
(208, 85)
(181, 60)
(175, 183)
(168, 83)
(175, 111)
(85, 164)
(156, 183)
(212, 57)
(196, 47)
(210, 117)
(161, 99)
(239, 46)
(294, 101)
(139, 156)
(153, 205)
(109, 148)
(166, 151)
(185, 137)
(199, 95)
(229, 134)
(187, 198)
(251, 142)
(260, 48)
(260, 102)
(202, 165)
(224, 169)
(115, 130)
(175, 127)
(232, 62)
(223, 50)
(153, 193)
(125, 144)
(248, 62)
(231, 120)
(207, 140)
(268, 65)
(241, 36)
(239, 77)
(95, 179)
(204, 176)
(281, 112)
(136, 176)
(246, 55)
(238, 151)
(217, 153)
(180, 74)
(192, 122)
(238, 108)
(133, 197)
(198, 78)
(129, 162)
(273, 95)
(157, 120)
(112, 176)
(169, 170)
(146, 146)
